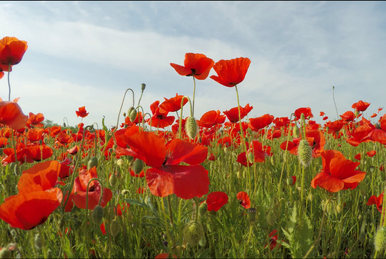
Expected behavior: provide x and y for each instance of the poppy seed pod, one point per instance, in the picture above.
(304, 153)
(114, 228)
(92, 162)
(97, 215)
(193, 232)
(191, 127)
(380, 239)
(133, 115)
(138, 166)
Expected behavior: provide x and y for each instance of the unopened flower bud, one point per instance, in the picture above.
(114, 228)
(304, 153)
(133, 115)
(138, 166)
(113, 179)
(143, 87)
(295, 131)
(193, 232)
(92, 162)
(97, 215)
(202, 241)
(120, 162)
(191, 127)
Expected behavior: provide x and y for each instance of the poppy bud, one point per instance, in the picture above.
(38, 241)
(92, 162)
(380, 239)
(130, 110)
(338, 207)
(295, 131)
(124, 115)
(193, 232)
(304, 153)
(133, 115)
(191, 127)
(271, 218)
(143, 87)
(120, 162)
(97, 215)
(114, 228)
(113, 179)
(238, 174)
(202, 209)
(327, 206)
(138, 166)
(272, 161)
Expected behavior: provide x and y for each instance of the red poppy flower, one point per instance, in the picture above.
(338, 173)
(242, 159)
(281, 122)
(325, 118)
(82, 112)
(216, 200)
(273, 240)
(166, 175)
(273, 135)
(360, 106)
(231, 72)
(258, 123)
(334, 128)
(374, 115)
(39, 152)
(26, 210)
(12, 115)
(197, 65)
(173, 104)
(163, 256)
(377, 201)
(304, 110)
(292, 146)
(94, 192)
(256, 148)
(35, 134)
(376, 135)
(35, 119)
(211, 118)
(321, 114)
(44, 174)
(12, 50)
(371, 153)
(244, 199)
(358, 156)
(159, 118)
(233, 114)
(348, 116)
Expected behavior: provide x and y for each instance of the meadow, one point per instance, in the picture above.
(161, 185)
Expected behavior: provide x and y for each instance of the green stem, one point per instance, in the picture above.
(241, 126)
(194, 94)
(120, 109)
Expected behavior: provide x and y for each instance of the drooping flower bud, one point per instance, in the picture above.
(304, 153)
(113, 179)
(191, 127)
(133, 115)
(97, 215)
(295, 131)
(143, 87)
(193, 232)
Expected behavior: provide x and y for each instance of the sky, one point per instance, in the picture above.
(89, 53)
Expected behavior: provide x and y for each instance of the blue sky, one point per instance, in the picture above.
(88, 53)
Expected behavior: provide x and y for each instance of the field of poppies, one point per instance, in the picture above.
(163, 186)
